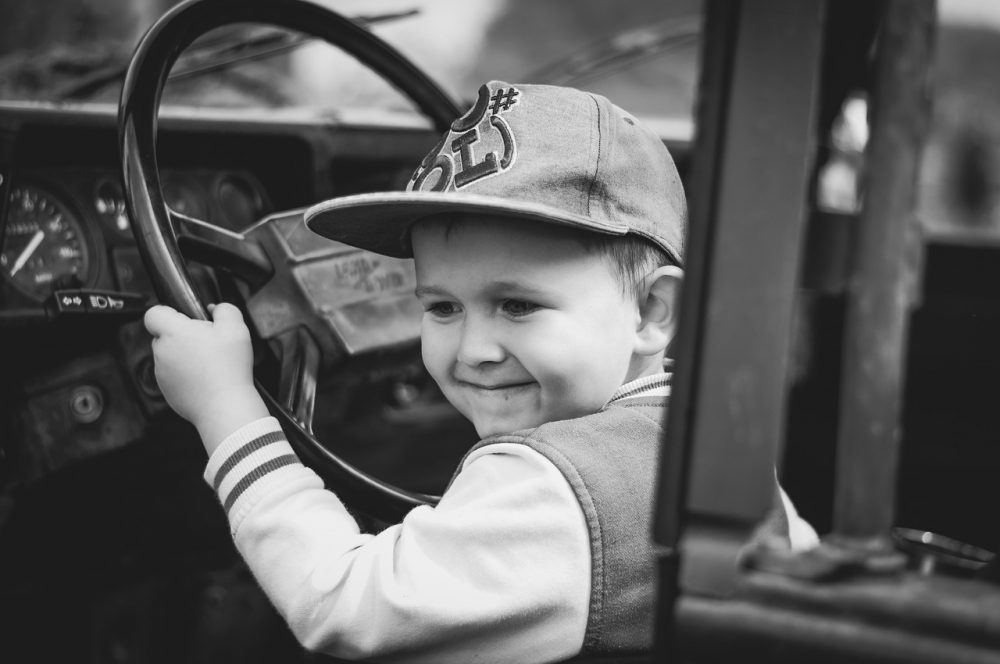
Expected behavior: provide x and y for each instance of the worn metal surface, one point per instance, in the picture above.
(719, 33)
(886, 269)
(754, 154)
(721, 23)
(905, 618)
(759, 217)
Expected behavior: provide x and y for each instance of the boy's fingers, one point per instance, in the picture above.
(160, 319)
(226, 313)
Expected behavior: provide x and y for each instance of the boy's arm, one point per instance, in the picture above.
(499, 569)
(205, 369)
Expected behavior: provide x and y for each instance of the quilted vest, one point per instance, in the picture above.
(610, 460)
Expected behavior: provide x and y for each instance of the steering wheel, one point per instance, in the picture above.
(158, 230)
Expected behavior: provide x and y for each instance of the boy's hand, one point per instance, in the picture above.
(205, 369)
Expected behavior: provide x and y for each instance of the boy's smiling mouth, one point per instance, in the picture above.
(495, 388)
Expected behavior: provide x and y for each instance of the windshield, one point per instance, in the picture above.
(640, 53)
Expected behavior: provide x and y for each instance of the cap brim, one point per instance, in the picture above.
(381, 222)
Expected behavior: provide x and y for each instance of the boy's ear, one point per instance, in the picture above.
(658, 306)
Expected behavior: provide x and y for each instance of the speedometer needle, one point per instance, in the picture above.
(33, 243)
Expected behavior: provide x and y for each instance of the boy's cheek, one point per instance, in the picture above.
(434, 346)
(433, 363)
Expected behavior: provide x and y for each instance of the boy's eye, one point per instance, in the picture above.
(519, 307)
(441, 309)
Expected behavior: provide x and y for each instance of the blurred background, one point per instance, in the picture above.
(616, 48)
(643, 54)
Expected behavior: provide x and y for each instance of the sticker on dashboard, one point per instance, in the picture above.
(366, 298)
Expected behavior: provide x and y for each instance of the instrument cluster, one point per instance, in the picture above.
(65, 228)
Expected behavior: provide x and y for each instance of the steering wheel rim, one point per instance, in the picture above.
(154, 231)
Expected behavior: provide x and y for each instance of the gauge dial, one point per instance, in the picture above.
(240, 202)
(110, 205)
(184, 197)
(45, 243)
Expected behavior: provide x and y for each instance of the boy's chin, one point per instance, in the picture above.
(500, 427)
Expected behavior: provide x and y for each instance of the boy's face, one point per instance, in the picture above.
(522, 326)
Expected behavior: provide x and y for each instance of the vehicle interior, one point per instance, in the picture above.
(841, 299)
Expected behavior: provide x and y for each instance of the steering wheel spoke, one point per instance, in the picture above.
(300, 362)
(212, 245)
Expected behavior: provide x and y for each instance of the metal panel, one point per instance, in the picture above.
(748, 216)
(763, 186)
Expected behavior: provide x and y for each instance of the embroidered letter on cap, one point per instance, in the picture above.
(433, 161)
(474, 114)
(481, 131)
(472, 171)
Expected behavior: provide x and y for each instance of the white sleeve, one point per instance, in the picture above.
(801, 535)
(498, 571)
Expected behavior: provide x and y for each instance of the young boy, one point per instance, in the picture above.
(547, 229)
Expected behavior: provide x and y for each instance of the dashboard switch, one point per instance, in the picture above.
(68, 302)
(98, 302)
(101, 302)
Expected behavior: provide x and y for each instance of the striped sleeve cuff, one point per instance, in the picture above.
(249, 462)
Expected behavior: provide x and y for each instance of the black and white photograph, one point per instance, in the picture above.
(499, 331)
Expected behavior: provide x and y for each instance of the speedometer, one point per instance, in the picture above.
(45, 243)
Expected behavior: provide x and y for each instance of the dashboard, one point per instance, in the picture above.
(78, 381)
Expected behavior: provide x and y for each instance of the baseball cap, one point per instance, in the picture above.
(535, 152)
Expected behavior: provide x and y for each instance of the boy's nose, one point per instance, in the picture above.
(478, 344)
